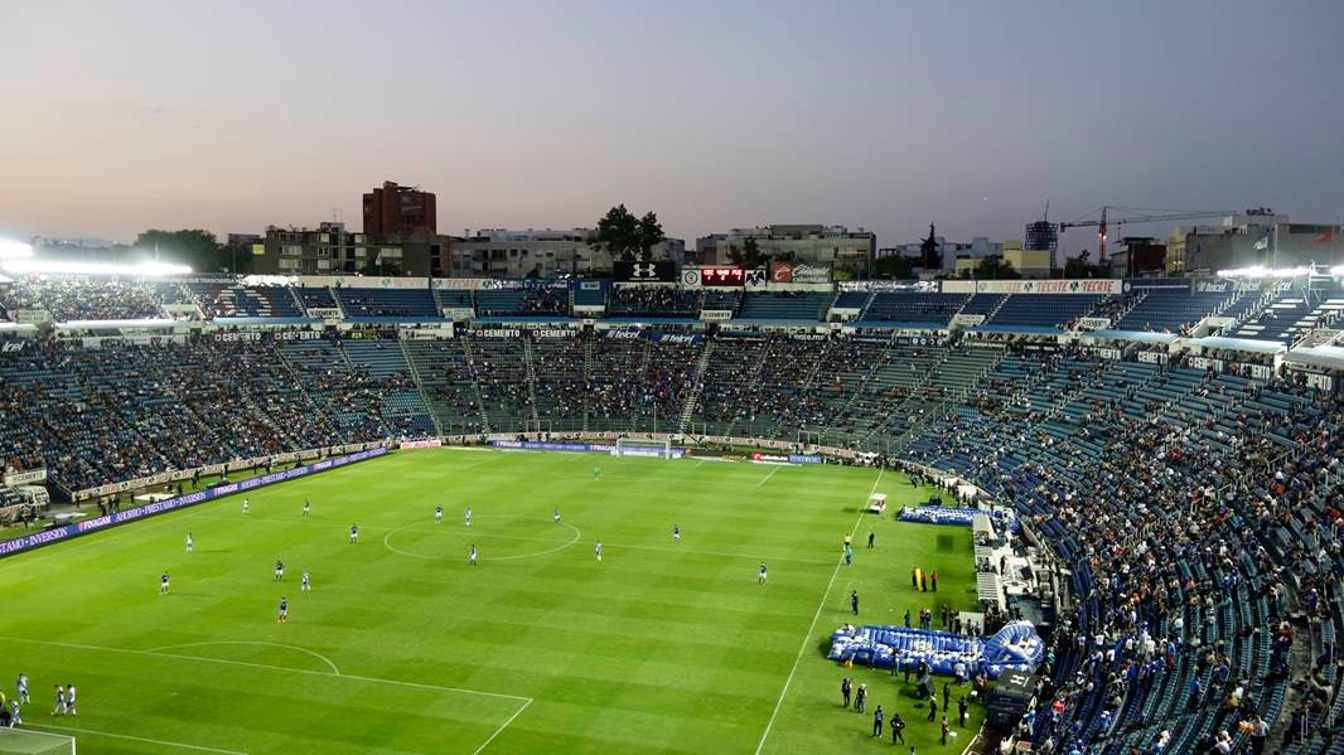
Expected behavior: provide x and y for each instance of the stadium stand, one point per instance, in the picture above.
(387, 303)
(1171, 312)
(69, 298)
(785, 306)
(522, 301)
(1195, 516)
(1042, 312)
(312, 297)
(667, 301)
(929, 310)
(224, 299)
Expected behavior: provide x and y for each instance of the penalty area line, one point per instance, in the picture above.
(501, 727)
(147, 740)
(812, 627)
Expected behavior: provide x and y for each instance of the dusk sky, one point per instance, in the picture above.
(885, 115)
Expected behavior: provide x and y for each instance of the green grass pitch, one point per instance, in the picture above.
(402, 647)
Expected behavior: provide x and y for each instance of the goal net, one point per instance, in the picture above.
(634, 447)
(26, 741)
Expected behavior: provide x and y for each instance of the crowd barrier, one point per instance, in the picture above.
(68, 531)
(1016, 647)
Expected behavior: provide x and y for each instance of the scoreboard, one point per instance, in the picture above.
(723, 276)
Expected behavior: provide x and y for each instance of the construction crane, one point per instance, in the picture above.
(1138, 216)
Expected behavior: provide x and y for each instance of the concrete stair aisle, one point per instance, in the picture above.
(688, 408)
(420, 386)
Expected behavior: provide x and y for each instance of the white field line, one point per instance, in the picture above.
(813, 626)
(268, 667)
(501, 727)
(303, 650)
(767, 477)
(182, 745)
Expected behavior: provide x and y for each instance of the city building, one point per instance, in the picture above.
(331, 249)
(1042, 236)
(832, 246)
(1028, 263)
(956, 256)
(392, 210)
(1137, 256)
(545, 253)
(1256, 237)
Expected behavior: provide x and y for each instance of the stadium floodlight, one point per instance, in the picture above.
(15, 250)
(147, 269)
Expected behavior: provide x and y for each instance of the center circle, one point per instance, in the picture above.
(428, 541)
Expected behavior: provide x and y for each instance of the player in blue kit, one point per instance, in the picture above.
(283, 614)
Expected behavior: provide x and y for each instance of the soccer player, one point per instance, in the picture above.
(163, 583)
(854, 601)
(354, 534)
(556, 515)
(467, 516)
(22, 689)
(872, 538)
(763, 575)
(279, 570)
(305, 582)
(597, 550)
(597, 473)
(438, 514)
(283, 615)
(190, 543)
(70, 700)
(306, 507)
(16, 718)
(247, 506)
(59, 708)
(472, 557)
(676, 533)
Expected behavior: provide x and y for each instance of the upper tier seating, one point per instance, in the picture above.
(792, 305)
(406, 303)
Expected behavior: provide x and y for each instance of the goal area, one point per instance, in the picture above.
(25, 741)
(637, 447)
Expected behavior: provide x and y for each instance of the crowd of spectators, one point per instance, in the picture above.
(1198, 514)
(550, 301)
(68, 298)
(655, 300)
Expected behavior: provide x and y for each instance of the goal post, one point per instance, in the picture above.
(643, 447)
(25, 741)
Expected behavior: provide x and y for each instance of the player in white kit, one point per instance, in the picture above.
(247, 506)
(676, 533)
(306, 583)
(354, 533)
(438, 514)
(190, 543)
(70, 700)
(597, 550)
(467, 516)
(22, 689)
(472, 557)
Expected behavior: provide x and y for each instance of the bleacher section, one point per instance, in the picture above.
(1292, 315)
(1042, 312)
(316, 298)
(1171, 312)
(231, 300)
(796, 306)
(913, 309)
(388, 303)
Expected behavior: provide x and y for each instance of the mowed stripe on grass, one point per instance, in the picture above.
(659, 648)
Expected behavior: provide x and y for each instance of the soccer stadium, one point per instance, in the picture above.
(249, 515)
